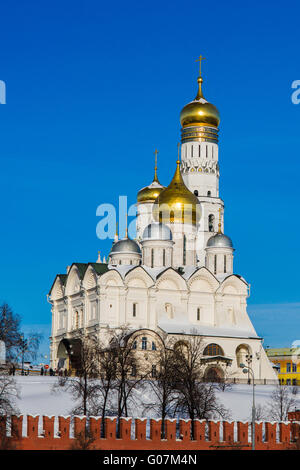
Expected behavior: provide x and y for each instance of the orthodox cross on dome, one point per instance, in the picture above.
(200, 79)
(200, 60)
(155, 167)
(116, 234)
(178, 146)
(126, 232)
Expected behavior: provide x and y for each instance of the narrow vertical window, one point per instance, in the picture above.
(144, 343)
(225, 264)
(134, 310)
(211, 223)
(184, 251)
(192, 151)
(152, 258)
(154, 372)
(215, 264)
(198, 313)
(76, 320)
(164, 257)
(199, 151)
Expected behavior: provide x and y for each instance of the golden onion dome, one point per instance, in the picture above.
(151, 192)
(199, 111)
(176, 204)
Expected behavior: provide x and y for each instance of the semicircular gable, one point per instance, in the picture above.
(171, 280)
(233, 285)
(203, 281)
(138, 277)
(73, 283)
(111, 278)
(90, 278)
(57, 289)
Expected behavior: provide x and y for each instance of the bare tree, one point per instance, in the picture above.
(130, 370)
(281, 403)
(225, 382)
(84, 388)
(162, 386)
(83, 440)
(27, 348)
(197, 399)
(9, 392)
(107, 361)
(9, 330)
(260, 413)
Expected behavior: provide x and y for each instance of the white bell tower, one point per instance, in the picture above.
(200, 163)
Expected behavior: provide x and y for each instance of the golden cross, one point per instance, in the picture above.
(200, 60)
(155, 153)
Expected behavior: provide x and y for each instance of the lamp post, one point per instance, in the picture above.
(247, 369)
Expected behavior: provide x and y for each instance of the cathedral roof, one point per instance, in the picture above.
(219, 241)
(157, 231)
(151, 192)
(199, 111)
(176, 203)
(126, 245)
(100, 268)
(180, 325)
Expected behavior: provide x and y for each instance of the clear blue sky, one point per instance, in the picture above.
(94, 87)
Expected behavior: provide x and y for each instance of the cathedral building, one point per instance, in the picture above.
(176, 279)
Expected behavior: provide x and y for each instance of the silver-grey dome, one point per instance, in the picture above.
(126, 246)
(157, 231)
(220, 241)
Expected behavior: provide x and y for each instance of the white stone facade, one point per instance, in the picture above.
(160, 300)
(179, 285)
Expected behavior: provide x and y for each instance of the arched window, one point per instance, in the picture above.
(169, 310)
(144, 343)
(211, 223)
(134, 345)
(209, 193)
(213, 350)
(242, 354)
(196, 192)
(153, 346)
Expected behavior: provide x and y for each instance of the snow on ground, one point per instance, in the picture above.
(37, 398)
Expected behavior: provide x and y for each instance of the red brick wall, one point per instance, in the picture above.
(42, 434)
